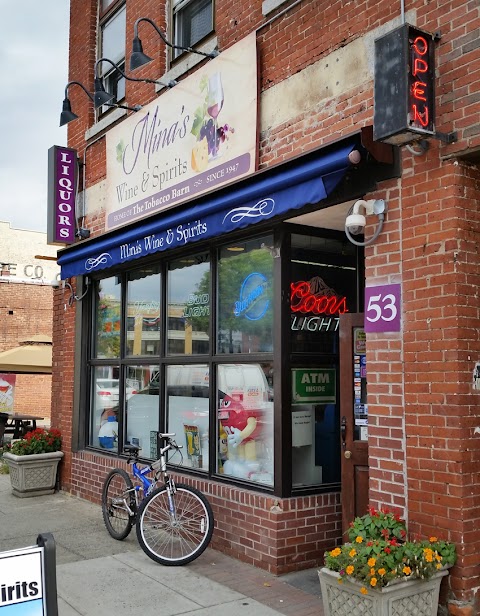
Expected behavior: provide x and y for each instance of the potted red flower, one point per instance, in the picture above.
(33, 462)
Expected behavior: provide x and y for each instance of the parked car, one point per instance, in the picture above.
(107, 393)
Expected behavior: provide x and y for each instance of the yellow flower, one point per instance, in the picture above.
(352, 553)
(428, 555)
(373, 582)
(433, 539)
(438, 557)
(439, 566)
(381, 571)
(407, 570)
(350, 569)
(336, 552)
(359, 539)
(371, 562)
(363, 590)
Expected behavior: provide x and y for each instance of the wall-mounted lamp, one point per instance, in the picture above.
(67, 114)
(101, 97)
(355, 222)
(138, 58)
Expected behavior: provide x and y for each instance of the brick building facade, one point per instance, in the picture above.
(316, 71)
(26, 302)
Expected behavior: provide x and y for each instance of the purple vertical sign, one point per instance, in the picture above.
(382, 308)
(62, 188)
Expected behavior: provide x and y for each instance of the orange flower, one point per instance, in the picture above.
(352, 553)
(371, 562)
(336, 552)
(381, 571)
(407, 570)
(350, 569)
(363, 590)
(372, 571)
(373, 582)
(433, 539)
(359, 539)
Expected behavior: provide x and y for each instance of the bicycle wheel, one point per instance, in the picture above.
(175, 538)
(118, 496)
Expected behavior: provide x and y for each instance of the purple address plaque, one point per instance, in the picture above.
(382, 308)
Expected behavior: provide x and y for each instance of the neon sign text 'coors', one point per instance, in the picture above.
(302, 300)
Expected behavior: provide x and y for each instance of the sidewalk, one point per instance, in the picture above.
(97, 575)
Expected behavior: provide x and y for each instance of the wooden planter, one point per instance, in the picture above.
(33, 475)
(408, 597)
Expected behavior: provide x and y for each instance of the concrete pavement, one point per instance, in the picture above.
(97, 575)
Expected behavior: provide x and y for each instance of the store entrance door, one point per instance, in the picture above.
(353, 418)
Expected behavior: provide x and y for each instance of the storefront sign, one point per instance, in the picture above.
(197, 136)
(404, 105)
(28, 581)
(310, 385)
(382, 308)
(62, 190)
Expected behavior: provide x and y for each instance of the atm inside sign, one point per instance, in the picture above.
(313, 385)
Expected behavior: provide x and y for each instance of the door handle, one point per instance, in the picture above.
(343, 431)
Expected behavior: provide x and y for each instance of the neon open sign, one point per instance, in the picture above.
(421, 81)
(404, 98)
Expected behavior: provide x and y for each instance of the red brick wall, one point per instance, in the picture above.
(279, 535)
(31, 308)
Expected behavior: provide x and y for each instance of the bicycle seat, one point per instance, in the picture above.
(131, 449)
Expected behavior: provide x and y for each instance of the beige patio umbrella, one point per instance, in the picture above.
(32, 356)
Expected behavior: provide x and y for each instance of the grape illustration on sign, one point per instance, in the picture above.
(210, 136)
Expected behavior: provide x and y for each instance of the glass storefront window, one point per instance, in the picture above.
(315, 441)
(188, 412)
(188, 318)
(143, 312)
(142, 384)
(105, 408)
(107, 318)
(323, 286)
(245, 297)
(245, 421)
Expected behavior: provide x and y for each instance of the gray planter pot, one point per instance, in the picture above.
(33, 475)
(409, 597)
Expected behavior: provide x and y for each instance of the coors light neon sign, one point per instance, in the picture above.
(315, 306)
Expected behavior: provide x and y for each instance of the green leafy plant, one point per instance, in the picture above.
(379, 553)
(37, 441)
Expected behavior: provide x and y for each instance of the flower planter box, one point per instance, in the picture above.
(397, 599)
(33, 475)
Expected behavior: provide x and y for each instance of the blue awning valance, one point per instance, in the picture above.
(267, 195)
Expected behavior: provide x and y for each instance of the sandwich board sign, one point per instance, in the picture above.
(28, 584)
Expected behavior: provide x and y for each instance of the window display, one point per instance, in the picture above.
(188, 412)
(245, 294)
(108, 318)
(189, 306)
(245, 421)
(142, 408)
(143, 312)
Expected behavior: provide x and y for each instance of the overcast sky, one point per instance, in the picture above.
(33, 76)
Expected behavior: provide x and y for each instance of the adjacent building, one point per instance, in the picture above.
(275, 257)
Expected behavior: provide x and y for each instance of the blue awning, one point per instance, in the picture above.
(267, 195)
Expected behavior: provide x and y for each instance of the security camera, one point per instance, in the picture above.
(355, 223)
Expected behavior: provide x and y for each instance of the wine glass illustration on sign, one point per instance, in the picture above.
(214, 106)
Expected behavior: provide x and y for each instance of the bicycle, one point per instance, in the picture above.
(174, 522)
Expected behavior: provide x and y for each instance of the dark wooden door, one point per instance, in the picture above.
(353, 418)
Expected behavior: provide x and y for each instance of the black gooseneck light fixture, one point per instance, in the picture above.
(101, 97)
(68, 115)
(138, 58)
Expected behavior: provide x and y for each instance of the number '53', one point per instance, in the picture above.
(381, 307)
